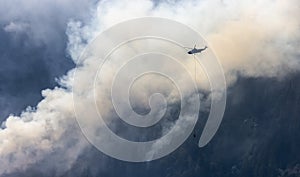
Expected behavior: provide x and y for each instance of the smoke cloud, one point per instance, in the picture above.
(250, 38)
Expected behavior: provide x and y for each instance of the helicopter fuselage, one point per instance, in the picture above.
(194, 50)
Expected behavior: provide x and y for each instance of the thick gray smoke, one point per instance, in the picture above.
(251, 38)
(41, 21)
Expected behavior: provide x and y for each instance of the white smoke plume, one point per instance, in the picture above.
(251, 38)
(48, 131)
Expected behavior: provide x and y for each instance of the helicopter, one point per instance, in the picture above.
(195, 50)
